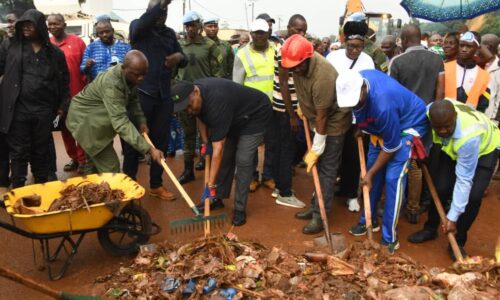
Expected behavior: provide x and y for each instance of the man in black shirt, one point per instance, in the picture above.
(34, 88)
(234, 118)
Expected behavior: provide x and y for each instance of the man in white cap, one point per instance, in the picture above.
(211, 28)
(254, 67)
(393, 116)
(314, 78)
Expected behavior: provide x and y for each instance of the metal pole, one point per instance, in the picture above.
(189, 4)
(183, 7)
(253, 5)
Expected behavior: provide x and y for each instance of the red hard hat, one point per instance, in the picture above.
(295, 50)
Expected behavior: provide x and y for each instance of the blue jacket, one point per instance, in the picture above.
(156, 42)
(390, 110)
(104, 56)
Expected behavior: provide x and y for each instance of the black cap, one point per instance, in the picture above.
(266, 17)
(180, 94)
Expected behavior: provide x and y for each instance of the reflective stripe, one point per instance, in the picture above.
(248, 56)
(259, 78)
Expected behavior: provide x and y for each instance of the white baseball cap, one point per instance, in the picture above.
(259, 25)
(348, 86)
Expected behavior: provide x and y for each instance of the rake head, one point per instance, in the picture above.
(197, 223)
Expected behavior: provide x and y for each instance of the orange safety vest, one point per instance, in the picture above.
(450, 84)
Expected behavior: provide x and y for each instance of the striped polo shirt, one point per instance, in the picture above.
(278, 103)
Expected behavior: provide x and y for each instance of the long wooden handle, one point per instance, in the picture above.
(16, 277)
(366, 191)
(173, 178)
(207, 201)
(442, 214)
(317, 186)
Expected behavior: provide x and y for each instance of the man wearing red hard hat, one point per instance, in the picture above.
(315, 79)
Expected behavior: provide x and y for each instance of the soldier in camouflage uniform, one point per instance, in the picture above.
(205, 60)
(211, 28)
(376, 54)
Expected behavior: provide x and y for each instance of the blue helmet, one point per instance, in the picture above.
(191, 16)
(211, 20)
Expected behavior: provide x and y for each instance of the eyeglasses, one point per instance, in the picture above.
(469, 37)
(354, 47)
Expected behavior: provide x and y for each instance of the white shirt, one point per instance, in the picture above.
(470, 77)
(341, 62)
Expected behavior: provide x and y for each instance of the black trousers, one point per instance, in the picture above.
(4, 161)
(158, 113)
(350, 168)
(28, 140)
(444, 179)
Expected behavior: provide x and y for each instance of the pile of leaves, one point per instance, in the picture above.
(76, 196)
(362, 271)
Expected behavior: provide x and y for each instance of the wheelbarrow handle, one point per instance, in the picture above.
(174, 179)
(440, 210)
(16, 277)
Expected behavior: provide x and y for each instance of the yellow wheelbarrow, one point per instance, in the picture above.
(121, 227)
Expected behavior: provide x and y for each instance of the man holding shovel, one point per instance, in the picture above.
(314, 79)
(471, 143)
(393, 116)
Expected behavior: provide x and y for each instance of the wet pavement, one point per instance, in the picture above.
(267, 222)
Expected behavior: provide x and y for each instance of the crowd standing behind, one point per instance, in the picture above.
(439, 91)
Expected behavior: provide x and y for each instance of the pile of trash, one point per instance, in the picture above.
(76, 196)
(222, 267)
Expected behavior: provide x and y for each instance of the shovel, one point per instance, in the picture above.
(30, 283)
(189, 224)
(366, 192)
(442, 215)
(317, 187)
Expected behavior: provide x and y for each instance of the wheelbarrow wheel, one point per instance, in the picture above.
(126, 232)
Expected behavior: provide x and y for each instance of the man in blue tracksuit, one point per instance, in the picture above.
(393, 116)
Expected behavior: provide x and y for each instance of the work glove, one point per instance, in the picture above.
(318, 147)
(209, 192)
(299, 112)
(206, 149)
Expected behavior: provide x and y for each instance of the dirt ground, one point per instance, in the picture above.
(268, 223)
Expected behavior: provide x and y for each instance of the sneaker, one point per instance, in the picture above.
(290, 201)
(162, 193)
(392, 247)
(71, 166)
(269, 183)
(360, 229)
(353, 205)
(254, 184)
(275, 193)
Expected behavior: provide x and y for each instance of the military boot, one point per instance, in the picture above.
(188, 174)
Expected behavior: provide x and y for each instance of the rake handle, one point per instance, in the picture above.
(366, 191)
(174, 179)
(16, 277)
(207, 201)
(440, 210)
(317, 187)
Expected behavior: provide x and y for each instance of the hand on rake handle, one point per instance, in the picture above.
(156, 155)
(311, 158)
(209, 192)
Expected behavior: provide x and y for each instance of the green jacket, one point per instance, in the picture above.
(376, 54)
(204, 60)
(106, 107)
(227, 57)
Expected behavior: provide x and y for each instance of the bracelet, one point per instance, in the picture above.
(212, 186)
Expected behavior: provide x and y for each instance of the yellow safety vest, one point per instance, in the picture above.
(259, 69)
(472, 124)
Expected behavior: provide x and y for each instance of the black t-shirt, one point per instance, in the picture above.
(231, 109)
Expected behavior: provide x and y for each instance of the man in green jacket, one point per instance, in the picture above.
(109, 106)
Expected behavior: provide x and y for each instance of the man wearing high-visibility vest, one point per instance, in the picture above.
(465, 81)
(254, 67)
(470, 144)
